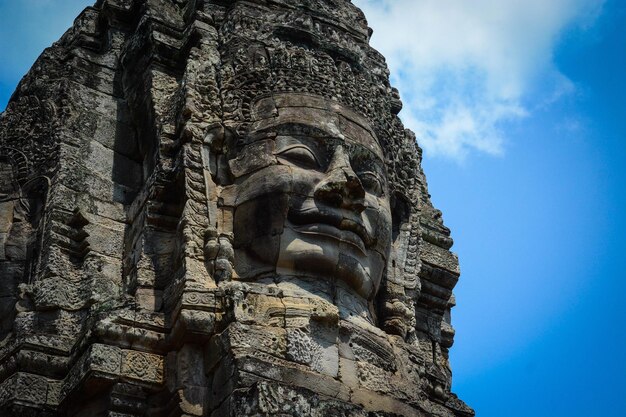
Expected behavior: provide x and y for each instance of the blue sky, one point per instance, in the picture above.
(521, 109)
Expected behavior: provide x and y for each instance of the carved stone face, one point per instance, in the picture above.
(312, 198)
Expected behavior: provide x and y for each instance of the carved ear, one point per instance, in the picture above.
(402, 240)
(396, 299)
(34, 196)
(220, 143)
(400, 214)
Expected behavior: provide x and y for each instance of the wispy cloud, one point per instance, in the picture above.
(467, 68)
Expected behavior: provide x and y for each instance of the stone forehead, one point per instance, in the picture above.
(332, 117)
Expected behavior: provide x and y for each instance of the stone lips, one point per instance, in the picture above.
(131, 140)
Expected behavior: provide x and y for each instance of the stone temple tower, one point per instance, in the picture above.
(211, 208)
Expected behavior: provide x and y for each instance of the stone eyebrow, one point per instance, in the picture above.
(318, 147)
(285, 126)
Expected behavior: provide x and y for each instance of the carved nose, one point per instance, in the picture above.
(341, 187)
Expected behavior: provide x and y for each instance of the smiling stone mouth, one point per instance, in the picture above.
(345, 236)
(336, 223)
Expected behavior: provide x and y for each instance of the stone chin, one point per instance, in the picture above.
(323, 256)
(318, 207)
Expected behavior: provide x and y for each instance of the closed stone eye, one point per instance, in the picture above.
(372, 183)
(301, 156)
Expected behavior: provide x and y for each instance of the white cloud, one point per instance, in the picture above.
(466, 68)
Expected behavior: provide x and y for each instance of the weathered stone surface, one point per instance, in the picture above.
(211, 208)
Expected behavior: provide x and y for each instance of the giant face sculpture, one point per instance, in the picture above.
(312, 201)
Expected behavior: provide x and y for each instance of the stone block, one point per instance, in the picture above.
(144, 367)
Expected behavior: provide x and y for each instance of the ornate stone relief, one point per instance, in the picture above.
(217, 212)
